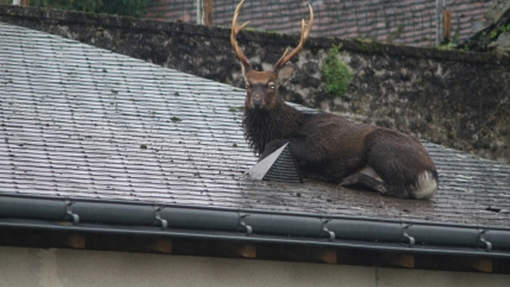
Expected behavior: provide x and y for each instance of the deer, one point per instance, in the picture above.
(326, 146)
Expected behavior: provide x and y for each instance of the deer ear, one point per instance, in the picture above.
(286, 73)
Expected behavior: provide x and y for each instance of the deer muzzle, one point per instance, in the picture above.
(257, 97)
(257, 101)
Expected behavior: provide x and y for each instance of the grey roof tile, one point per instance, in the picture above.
(80, 122)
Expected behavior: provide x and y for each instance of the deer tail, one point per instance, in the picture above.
(425, 186)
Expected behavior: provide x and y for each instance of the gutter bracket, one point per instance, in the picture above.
(163, 222)
(69, 211)
(411, 239)
(331, 233)
(247, 227)
(487, 243)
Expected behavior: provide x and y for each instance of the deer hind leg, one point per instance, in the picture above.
(366, 177)
(403, 163)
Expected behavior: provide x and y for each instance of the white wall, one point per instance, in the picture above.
(64, 267)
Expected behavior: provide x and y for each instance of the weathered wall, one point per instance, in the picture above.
(60, 267)
(458, 99)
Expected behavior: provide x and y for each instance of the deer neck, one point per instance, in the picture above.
(263, 126)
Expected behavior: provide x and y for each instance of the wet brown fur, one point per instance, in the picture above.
(328, 146)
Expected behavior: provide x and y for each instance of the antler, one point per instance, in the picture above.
(305, 32)
(233, 35)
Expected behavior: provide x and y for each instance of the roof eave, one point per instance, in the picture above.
(253, 226)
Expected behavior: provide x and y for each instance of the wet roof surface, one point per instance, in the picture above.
(80, 122)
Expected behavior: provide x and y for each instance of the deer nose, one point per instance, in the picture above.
(257, 100)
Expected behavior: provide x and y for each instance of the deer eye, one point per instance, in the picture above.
(271, 85)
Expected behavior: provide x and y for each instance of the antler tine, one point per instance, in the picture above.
(233, 35)
(306, 27)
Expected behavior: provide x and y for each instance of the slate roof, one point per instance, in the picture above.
(82, 123)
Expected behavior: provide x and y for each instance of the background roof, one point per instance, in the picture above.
(78, 122)
(410, 22)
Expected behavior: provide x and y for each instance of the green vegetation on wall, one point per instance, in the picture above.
(502, 29)
(135, 8)
(336, 74)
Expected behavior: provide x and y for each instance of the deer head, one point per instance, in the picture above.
(262, 86)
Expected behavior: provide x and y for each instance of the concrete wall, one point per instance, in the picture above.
(63, 267)
(458, 99)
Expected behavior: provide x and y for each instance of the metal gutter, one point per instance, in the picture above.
(209, 223)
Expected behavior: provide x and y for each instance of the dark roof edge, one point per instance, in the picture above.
(411, 237)
(41, 15)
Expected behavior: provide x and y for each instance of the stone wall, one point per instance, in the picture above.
(458, 99)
